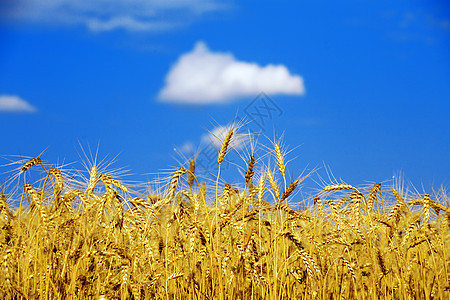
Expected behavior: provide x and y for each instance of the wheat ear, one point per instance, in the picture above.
(174, 181)
(273, 184)
(373, 196)
(289, 190)
(30, 163)
(426, 208)
(220, 158)
(224, 148)
(191, 173)
(280, 162)
(250, 172)
(338, 187)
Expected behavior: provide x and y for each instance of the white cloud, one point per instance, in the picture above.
(10, 103)
(202, 77)
(105, 15)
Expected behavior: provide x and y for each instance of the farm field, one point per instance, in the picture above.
(222, 149)
(88, 235)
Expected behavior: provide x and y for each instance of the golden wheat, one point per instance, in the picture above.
(250, 172)
(225, 144)
(80, 239)
(338, 187)
(30, 163)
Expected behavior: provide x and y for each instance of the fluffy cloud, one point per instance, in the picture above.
(9, 103)
(202, 77)
(105, 15)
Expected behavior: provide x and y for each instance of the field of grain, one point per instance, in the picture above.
(78, 235)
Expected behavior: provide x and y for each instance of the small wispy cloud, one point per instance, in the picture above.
(14, 104)
(202, 76)
(423, 26)
(128, 23)
(187, 148)
(206, 150)
(107, 15)
(214, 139)
(217, 135)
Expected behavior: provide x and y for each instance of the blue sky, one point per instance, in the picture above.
(361, 87)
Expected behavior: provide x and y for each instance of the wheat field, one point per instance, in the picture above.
(75, 236)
